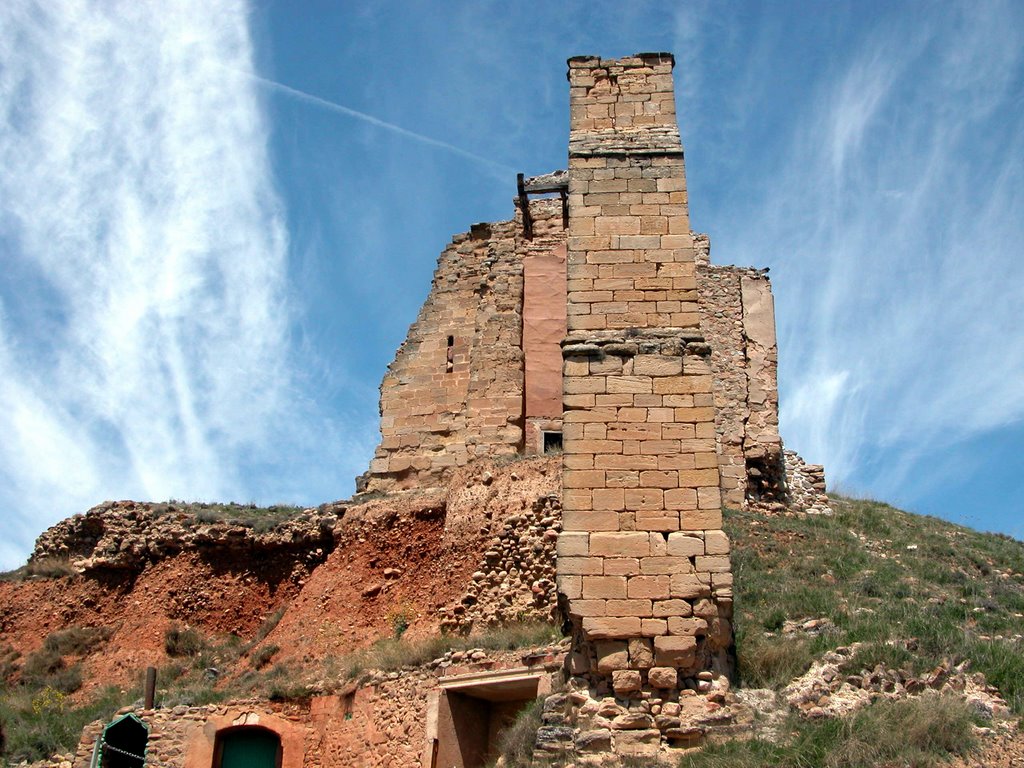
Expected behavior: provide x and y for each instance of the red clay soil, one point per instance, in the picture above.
(408, 552)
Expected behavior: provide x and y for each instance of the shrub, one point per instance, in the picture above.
(43, 568)
(262, 656)
(46, 669)
(182, 642)
(77, 641)
(400, 618)
(516, 742)
(773, 662)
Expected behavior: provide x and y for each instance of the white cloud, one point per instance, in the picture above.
(144, 345)
(896, 222)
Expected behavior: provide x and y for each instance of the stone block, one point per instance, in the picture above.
(653, 627)
(603, 628)
(649, 587)
(713, 563)
(641, 608)
(620, 544)
(685, 545)
(611, 655)
(586, 520)
(609, 498)
(638, 743)
(664, 565)
(688, 586)
(674, 650)
(594, 741)
(689, 626)
(641, 653)
(663, 678)
(657, 520)
(604, 587)
(626, 681)
(621, 566)
(681, 498)
(570, 586)
(645, 498)
(657, 365)
(573, 543)
(580, 566)
(673, 607)
(716, 543)
(700, 520)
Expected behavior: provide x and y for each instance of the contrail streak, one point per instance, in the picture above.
(349, 112)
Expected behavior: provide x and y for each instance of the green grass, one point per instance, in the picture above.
(954, 594)
(914, 732)
(39, 722)
(260, 519)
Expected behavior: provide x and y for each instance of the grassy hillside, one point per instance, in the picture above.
(915, 591)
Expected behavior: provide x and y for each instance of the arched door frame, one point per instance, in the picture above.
(218, 745)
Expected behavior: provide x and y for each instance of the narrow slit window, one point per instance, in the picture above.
(450, 364)
(552, 442)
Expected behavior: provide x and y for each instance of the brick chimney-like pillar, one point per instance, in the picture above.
(643, 563)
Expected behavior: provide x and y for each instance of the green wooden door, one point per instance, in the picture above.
(254, 748)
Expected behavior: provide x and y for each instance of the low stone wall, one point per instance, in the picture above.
(515, 580)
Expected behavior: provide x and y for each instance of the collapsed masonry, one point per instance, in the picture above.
(594, 323)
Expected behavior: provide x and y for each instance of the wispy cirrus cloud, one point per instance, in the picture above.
(144, 312)
(894, 223)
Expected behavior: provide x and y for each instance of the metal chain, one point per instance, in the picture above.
(120, 751)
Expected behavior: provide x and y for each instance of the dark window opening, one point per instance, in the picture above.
(450, 365)
(552, 442)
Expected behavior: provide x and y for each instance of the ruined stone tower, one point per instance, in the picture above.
(642, 559)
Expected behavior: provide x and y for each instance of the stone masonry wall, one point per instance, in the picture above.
(738, 320)
(642, 560)
(459, 386)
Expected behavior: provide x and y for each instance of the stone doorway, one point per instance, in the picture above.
(470, 712)
(247, 747)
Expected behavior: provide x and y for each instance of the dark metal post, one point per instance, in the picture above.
(150, 695)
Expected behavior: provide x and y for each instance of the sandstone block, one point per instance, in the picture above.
(713, 563)
(700, 520)
(653, 627)
(620, 544)
(626, 681)
(657, 520)
(601, 628)
(611, 656)
(685, 545)
(674, 650)
(582, 520)
(604, 587)
(681, 498)
(692, 626)
(665, 565)
(688, 586)
(716, 543)
(674, 607)
(573, 543)
(580, 566)
(638, 743)
(641, 653)
(570, 586)
(641, 608)
(621, 566)
(664, 678)
(650, 587)
(657, 365)
(645, 498)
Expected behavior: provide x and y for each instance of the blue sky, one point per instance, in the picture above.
(218, 219)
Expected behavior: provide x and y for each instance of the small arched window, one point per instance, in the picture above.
(247, 747)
